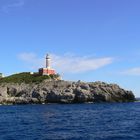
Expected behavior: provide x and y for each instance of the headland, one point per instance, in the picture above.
(25, 88)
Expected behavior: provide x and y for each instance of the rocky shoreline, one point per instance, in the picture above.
(62, 92)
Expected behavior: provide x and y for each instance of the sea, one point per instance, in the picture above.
(97, 121)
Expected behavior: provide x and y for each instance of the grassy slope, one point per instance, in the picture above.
(26, 78)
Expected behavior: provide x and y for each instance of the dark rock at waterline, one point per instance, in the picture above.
(62, 92)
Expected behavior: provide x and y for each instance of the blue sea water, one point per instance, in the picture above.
(109, 121)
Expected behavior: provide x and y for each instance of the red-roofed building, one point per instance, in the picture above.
(48, 70)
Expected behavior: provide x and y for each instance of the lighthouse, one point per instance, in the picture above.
(48, 61)
(48, 70)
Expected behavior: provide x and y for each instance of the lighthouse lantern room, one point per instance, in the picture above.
(48, 70)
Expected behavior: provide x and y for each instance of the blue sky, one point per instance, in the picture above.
(90, 40)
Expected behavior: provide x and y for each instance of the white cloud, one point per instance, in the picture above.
(32, 60)
(67, 63)
(132, 71)
(75, 64)
(15, 4)
(29, 57)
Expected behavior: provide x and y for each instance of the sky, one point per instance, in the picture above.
(88, 40)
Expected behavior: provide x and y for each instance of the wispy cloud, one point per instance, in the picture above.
(67, 63)
(76, 64)
(132, 71)
(14, 4)
(32, 60)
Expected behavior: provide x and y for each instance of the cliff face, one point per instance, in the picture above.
(63, 92)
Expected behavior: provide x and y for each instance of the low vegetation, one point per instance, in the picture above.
(26, 77)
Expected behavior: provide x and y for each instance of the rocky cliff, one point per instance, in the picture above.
(62, 92)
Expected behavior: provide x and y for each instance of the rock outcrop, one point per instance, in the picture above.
(62, 92)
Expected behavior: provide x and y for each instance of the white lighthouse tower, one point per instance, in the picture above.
(48, 62)
(47, 70)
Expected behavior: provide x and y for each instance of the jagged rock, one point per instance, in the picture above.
(63, 92)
